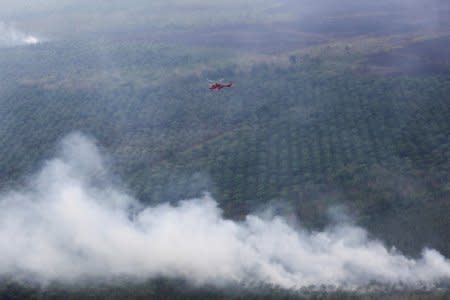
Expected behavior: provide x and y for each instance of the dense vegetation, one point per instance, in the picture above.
(307, 135)
(178, 289)
(304, 132)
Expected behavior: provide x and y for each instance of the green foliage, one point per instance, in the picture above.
(312, 136)
(179, 289)
(300, 135)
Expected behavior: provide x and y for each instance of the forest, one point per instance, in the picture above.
(354, 121)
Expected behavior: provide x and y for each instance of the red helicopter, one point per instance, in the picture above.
(218, 85)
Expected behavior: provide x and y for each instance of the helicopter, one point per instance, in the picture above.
(218, 85)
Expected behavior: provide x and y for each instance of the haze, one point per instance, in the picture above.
(324, 164)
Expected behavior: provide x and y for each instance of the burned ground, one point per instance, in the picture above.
(425, 57)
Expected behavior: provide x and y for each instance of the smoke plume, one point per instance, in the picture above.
(9, 36)
(70, 222)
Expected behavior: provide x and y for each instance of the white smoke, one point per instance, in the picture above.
(70, 223)
(9, 36)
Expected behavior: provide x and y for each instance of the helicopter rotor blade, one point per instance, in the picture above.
(220, 80)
